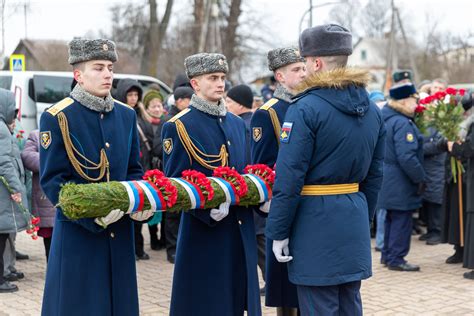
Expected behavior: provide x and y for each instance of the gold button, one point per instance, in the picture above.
(107, 145)
(112, 235)
(240, 222)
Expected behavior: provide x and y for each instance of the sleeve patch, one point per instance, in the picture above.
(286, 132)
(45, 139)
(410, 138)
(257, 133)
(168, 145)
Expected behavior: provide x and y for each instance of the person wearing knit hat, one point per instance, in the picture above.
(203, 137)
(403, 182)
(328, 177)
(289, 70)
(89, 137)
(239, 101)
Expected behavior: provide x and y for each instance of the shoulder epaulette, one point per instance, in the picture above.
(61, 105)
(177, 116)
(269, 104)
(124, 104)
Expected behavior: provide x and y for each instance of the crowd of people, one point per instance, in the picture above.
(343, 156)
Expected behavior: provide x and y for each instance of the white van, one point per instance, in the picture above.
(35, 91)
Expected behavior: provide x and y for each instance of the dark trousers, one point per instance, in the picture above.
(433, 217)
(343, 299)
(3, 241)
(47, 246)
(139, 243)
(398, 226)
(261, 239)
(171, 230)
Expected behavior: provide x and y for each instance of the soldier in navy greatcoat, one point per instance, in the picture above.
(289, 70)
(216, 257)
(89, 137)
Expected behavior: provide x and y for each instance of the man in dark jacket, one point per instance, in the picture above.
(328, 174)
(434, 165)
(403, 176)
(289, 70)
(171, 220)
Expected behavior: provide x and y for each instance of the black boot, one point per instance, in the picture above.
(457, 257)
(469, 275)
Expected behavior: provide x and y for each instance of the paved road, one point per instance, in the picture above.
(439, 289)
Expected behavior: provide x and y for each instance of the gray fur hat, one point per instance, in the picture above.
(326, 40)
(280, 57)
(205, 63)
(81, 49)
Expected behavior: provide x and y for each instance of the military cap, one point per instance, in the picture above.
(403, 91)
(81, 49)
(280, 57)
(402, 74)
(326, 40)
(205, 63)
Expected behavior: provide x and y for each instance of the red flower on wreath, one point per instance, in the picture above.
(263, 171)
(462, 92)
(234, 178)
(451, 91)
(199, 179)
(164, 185)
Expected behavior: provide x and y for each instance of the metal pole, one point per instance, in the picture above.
(310, 13)
(24, 11)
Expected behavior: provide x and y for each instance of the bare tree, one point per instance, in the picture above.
(154, 38)
(375, 17)
(346, 14)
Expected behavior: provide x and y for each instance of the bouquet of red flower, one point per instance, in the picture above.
(192, 191)
(445, 114)
(420, 120)
(32, 221)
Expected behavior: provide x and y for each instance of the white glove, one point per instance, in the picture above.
(279, 247)
(110, 218)
(142, 216)
(221, 212)
(266, 207)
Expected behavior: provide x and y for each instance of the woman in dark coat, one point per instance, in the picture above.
(130, 92)
(465, 150)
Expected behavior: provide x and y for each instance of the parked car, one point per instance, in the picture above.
(35, 91)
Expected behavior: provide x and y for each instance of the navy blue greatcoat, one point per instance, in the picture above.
(216, 262)
(91, 270)
(279, 292)
(403, 164)
(332, 134)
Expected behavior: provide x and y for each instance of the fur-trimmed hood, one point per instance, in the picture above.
(343, 88)
(338, 78)
(400, 108)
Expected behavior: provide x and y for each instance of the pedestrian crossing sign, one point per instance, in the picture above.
(17, 62)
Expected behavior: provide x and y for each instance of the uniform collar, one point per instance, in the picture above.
(207, 107)
(282, 93)
(92, 102)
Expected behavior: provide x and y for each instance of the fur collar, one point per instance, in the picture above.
(92, 102)
(202, 105)
(282, 93)
(338, 78)
(397, 106)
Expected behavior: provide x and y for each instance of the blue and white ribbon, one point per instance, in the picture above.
(132, 196)
(261, 187)
(192, 192)
(148, 194)
(227, 188)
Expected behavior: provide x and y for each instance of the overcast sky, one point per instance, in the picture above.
(64, 19)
